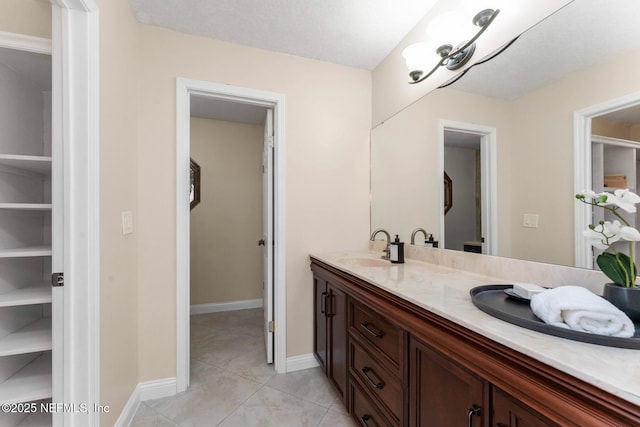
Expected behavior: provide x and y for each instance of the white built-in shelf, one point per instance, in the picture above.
(33, 382)
(36, 294)
(32, 251)
(26, 206)
(37, 164)
(32, 338)
(37, 419)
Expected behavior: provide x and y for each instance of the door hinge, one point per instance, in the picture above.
(57, 279)
(272, 326)
(271, 143)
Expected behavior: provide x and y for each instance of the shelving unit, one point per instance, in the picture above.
(31, 383)
(35, 164)
(615, 156)
(39, 293)
(26, 344)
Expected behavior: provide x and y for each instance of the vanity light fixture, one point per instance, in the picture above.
(452, 58)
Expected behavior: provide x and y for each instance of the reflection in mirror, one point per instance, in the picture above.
(463, 219)
(586, 54)
(194, 190)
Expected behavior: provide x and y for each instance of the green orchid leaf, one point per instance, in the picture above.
(611, 266)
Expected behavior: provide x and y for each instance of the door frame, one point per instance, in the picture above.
(75, 51)
(582, 170)
(489, 178)
(184, 89)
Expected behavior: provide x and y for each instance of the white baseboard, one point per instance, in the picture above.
(147, 390)
(303, 361)
(225, 306)
(157, 389)
(130, 409)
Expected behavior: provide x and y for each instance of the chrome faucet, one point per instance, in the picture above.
(418, 230)
(387, 250)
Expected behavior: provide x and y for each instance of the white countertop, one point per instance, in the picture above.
(445, 292)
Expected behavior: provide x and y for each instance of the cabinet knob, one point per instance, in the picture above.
(373, 331)
(375, 383)
(365, 418)
(474, 410)
(323, 303)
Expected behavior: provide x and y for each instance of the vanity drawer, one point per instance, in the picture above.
(363, 410)
(378, 331)
(378, 381)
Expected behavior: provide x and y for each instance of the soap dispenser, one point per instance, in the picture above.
(430, 242)
(396, 254)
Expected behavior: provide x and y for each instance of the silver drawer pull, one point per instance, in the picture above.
(474, 410)
(373, 331)
(377, 384)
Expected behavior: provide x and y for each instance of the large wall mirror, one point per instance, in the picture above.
(586, 54)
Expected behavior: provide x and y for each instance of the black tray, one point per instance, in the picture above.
(492, 300)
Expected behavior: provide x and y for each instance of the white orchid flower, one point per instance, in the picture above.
(601, 236)
(625, 200)
(630, 234)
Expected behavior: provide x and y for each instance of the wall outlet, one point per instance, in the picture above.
(530, 220)
(127, 222)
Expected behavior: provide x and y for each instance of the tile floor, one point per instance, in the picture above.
(232, 386)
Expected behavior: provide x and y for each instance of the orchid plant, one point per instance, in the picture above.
(618, 267)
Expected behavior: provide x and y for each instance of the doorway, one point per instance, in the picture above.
(612, 125)
(468, 218)
(229, 96)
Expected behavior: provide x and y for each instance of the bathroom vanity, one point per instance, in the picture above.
(404, 346)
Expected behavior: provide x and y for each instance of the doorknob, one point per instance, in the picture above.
(261, 242)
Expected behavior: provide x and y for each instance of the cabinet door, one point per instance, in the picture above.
(337, 317)
(442, 393)
(320, 321)
(508, 412)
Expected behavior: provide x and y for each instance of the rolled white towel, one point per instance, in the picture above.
(577, 308)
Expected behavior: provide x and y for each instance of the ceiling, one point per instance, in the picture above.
(579, 35)
(360, 33)
(356, 33)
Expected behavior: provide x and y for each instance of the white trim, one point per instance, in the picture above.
(25, 43)
(157, 389)
(217, 307)
(130, 408)
(303, 361)
(75, 57)
(582, 178)
(148, 390)
(488, 143)
(184, 89)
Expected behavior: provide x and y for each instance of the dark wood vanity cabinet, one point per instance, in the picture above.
(397, 364)
(377, 364)
(509, 412)
(330, 332)
(443, 393)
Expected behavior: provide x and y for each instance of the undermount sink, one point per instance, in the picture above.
(365, 262)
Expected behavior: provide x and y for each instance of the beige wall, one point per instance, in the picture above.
(226, 262)
(328, 109)
(30, 17)
(118, 192)
(535, 156)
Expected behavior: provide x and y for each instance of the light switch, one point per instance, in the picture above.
(530, 220)
(127, 222)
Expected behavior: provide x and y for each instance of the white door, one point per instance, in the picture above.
(267, 234)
